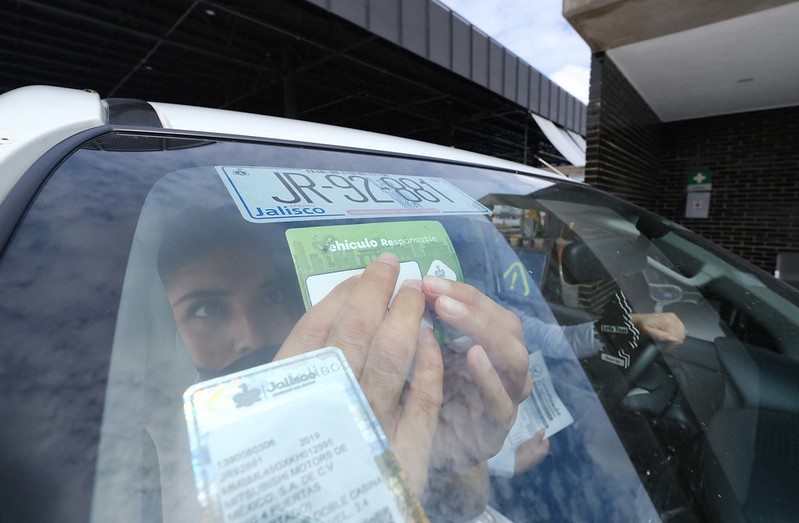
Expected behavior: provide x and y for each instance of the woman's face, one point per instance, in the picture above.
(228, 303)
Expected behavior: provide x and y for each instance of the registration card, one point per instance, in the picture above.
(293, 440)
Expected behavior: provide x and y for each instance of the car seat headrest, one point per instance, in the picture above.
(602, 259)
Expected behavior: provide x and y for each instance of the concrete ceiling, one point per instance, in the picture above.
(691, 59)
(740, 64)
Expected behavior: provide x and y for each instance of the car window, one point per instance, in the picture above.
(123, 284)
(706, 407)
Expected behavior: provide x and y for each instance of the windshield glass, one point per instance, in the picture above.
(658, 363)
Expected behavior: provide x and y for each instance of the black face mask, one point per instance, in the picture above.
(253, 359)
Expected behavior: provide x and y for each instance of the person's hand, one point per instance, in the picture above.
(663, 327)
(459, 497)
(483, 386)
(531, 452)
(381, 348)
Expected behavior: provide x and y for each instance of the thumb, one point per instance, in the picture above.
(531, 452)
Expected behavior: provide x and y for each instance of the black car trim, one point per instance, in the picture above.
(19, 199)
(129, 111)
(181, 133)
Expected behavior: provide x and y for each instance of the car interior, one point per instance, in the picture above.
(725, 401)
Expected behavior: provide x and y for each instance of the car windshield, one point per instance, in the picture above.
(663, 369)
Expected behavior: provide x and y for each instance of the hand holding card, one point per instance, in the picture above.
(382, 347)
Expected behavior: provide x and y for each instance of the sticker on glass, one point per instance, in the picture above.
(326, 256)
(617, 332)
(275, 194)
(293, 440)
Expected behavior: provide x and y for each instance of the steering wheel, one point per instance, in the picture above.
(648, 353)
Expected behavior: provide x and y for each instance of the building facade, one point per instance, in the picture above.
(708, 89)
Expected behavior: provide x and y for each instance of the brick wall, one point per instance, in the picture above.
(623, 136)
(754, 158)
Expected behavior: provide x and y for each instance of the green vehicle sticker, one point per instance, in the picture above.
(325, 256)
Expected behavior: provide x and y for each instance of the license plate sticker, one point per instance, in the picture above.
(278, 194)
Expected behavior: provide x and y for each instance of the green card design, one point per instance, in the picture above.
(326, 256)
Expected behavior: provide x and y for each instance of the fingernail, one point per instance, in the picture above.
(452, 306)
(437, 285)
(414, 284)
(389, 259)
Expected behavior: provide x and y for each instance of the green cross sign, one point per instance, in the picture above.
(700, 181)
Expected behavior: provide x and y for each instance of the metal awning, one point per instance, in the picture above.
(409, 68)
(568, 143)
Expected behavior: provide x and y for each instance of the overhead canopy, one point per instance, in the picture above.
(568, 143)
(410, 68)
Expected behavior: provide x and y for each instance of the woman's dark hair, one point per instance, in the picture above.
(197, 231)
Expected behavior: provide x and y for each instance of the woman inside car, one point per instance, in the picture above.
(235, 306)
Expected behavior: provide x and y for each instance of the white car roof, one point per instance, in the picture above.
(231, 122)
(34, 119)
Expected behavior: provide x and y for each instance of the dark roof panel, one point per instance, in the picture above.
(439, 35)
(522, 79)
(461, 47)
(479, 58)
(442, 40)
(384, 17)
(509, 83)
(496, 66)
